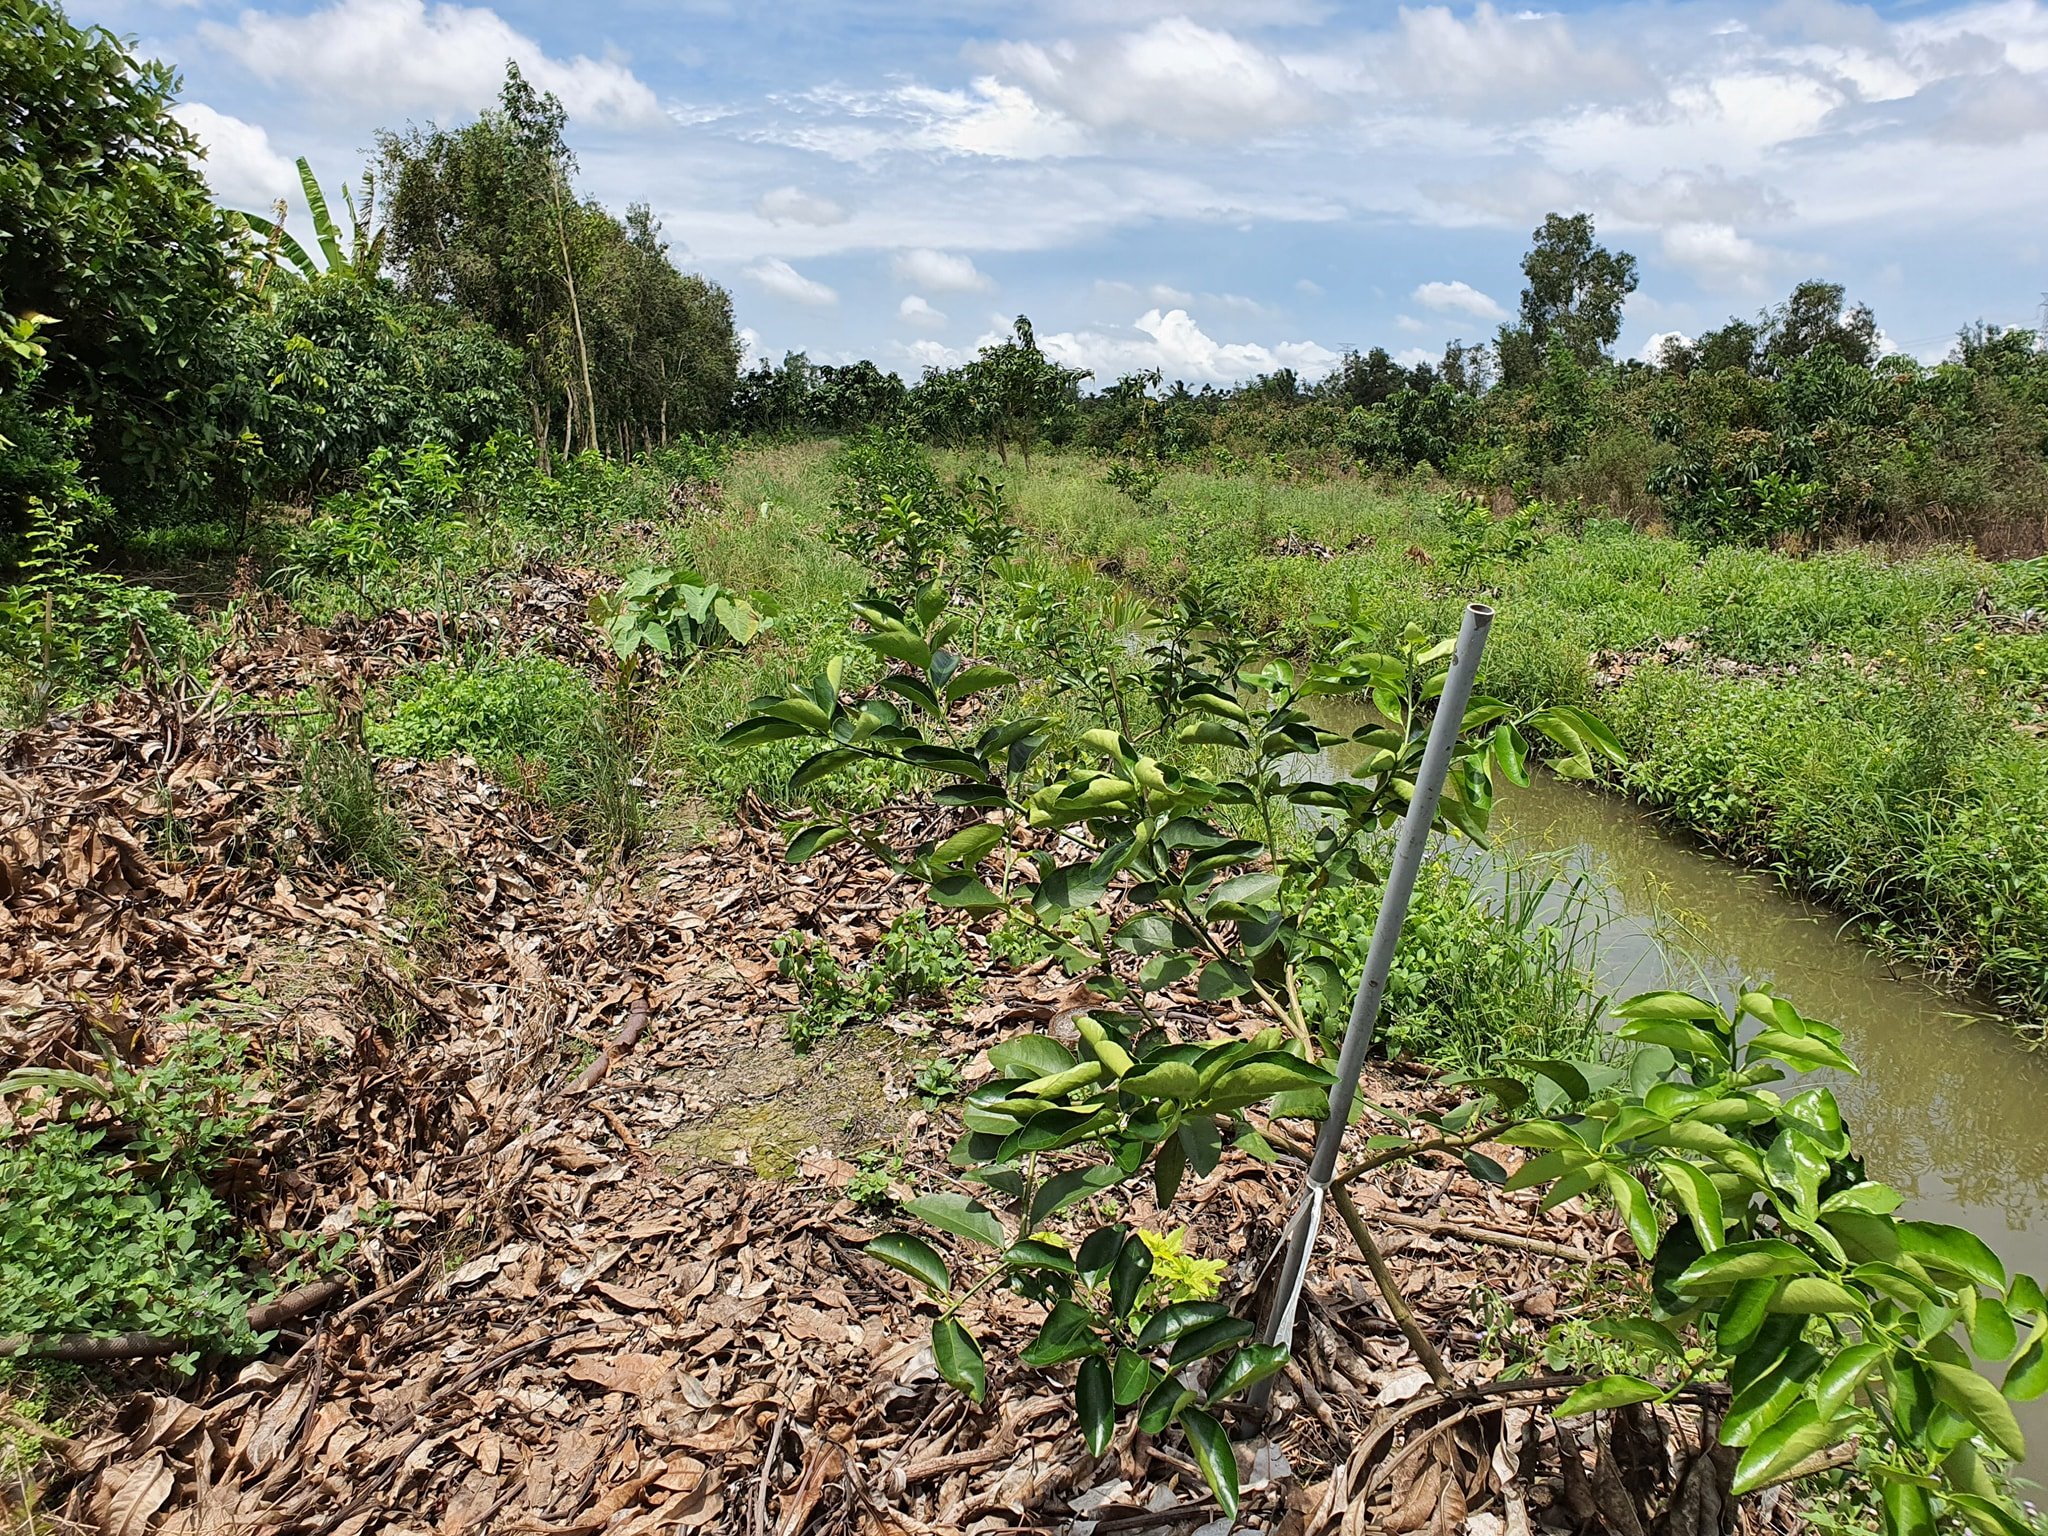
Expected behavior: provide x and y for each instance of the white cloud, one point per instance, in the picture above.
(935, 354)
(1458, 298)
(941, 272)
(992, 119)
(1415, 357)
(1174, 78)
(1716, 253)
(402, 56)
(915, 311)
(241, 167)
(785, 282)
(1653, 349)
(1308, 287)
(1172, 342)
(792, 205)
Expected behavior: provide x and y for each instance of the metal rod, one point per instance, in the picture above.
(1409, 848)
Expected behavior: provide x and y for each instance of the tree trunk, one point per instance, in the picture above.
(575, 311)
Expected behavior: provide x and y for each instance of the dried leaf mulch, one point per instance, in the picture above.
(608, 1275)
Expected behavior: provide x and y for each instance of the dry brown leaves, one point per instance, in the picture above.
(572, 1322)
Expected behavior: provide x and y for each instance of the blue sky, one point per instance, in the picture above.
(1213, 187)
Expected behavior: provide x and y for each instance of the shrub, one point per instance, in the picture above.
(110, 1221)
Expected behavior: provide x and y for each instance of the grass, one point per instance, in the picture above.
(1861, 724)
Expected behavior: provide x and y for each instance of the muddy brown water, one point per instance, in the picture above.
(1951, 1109)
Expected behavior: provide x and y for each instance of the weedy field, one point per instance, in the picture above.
(788, 991)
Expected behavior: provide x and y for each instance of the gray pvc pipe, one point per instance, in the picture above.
(1409, 848)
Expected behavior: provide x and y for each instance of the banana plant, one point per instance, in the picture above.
(362, 256)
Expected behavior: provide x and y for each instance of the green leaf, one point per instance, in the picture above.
(1908, 1511)
(822, 765)
(1163, 1080)
(1164, 1403)
(1643, 1334)
(915, 1257)
(1766, 1257)
(1234, 896)
(1209, 1339)
(1981, 1403)
(1133, 1269)
(1695, 1192)
(965, 892)
(1837, 1381)
(1095, 1398)
(1030, 1057)
(1068, 1333)
(961, 1216)
(1036, 1253)
(1245, 1370)
(1807, 1053)
(1815, 1294)
(958, 1358)
(1796, 1436)
(1182, 1317)
(1206, 1438)
(969, 845)
(1963, 1253)
(2028, 1378)
(1131, 1378)
(1636, 1211)
(809, 841)
(1608, 1392)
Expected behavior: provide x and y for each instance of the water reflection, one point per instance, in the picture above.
(1948, 1104)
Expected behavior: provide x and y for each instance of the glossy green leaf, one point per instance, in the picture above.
(1608, 1392)
(1793, 1438)
(1980, 1402)
(1180, 1318)
(1095, 1399)
(2028, 1377)
(1131, 1377)
(1068, 1333)
(960, 1215)
(1246, 1369)
(1132, 1269)
(914, 1257)
(1766, 1257)
(1209, 1339)
(1697, 1196)
(1218, 1463)
(958, 1358)
(1941, 1246)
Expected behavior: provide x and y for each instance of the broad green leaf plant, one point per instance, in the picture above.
(1787, 1273)
(1153, 872)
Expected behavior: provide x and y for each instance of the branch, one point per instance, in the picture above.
(267, 1318)
(1397, 1304)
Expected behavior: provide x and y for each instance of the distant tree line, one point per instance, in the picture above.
(162, 358)
(1794, 424)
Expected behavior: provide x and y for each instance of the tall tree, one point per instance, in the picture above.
(1573, 297)
(485, 217)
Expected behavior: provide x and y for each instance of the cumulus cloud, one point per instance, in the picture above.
(1652, 351)
(1716, 253)
(1174, 78)
(241, 167)
(792, 205)
(941, 272)
(778, 277)
(1458, 298)
(1172, 342)
(404, 56)
(914, 310)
